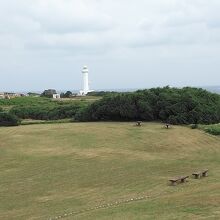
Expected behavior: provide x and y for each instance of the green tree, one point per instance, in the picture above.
(173, 105)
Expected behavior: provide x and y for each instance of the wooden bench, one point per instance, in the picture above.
(202, 173)
(180, 179)
(138, 123)
(167, 126)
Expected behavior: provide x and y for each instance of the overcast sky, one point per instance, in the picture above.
(125, 43)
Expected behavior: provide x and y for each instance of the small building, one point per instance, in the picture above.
(56, 96)
(10, 95)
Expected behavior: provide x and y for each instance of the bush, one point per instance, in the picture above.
(68, 94)
(40, 108)
(212, 129)
(101, 93)
(194, 126)
(7, 119)
(47, 112)
(170, 105)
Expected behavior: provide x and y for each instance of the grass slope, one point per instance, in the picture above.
(49, 170)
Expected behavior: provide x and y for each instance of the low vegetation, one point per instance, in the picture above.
(102, 93)
(47, 112)
(50, 170)
(41, 108)
(26, 101)
(211, 129)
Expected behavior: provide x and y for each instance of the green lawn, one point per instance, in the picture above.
(50, 170)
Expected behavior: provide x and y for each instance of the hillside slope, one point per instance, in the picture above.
(47, 171)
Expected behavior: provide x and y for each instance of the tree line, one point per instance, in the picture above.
(170, 105)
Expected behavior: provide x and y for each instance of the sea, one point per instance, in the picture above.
(214, 89)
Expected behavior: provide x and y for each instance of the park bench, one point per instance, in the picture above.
(138, 123)
(180, 179)
(202, 173)
(167, 126)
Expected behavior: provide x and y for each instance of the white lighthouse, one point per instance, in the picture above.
(86, 89)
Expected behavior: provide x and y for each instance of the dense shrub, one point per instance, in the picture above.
(41, 108)
(211, 129)
(68, 94)
(101, 93)
(7, 119)
(171, 105)
(46, 112)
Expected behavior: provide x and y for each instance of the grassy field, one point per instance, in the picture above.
(7, 104)
(53, 170)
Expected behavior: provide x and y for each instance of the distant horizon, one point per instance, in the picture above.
(212, 88)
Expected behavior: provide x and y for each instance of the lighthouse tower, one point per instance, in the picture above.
(86, 89)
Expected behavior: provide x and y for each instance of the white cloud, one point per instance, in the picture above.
(69, 16)
(106, 31)
(88, 23)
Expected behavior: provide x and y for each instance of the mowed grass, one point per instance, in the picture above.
(51, 170)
